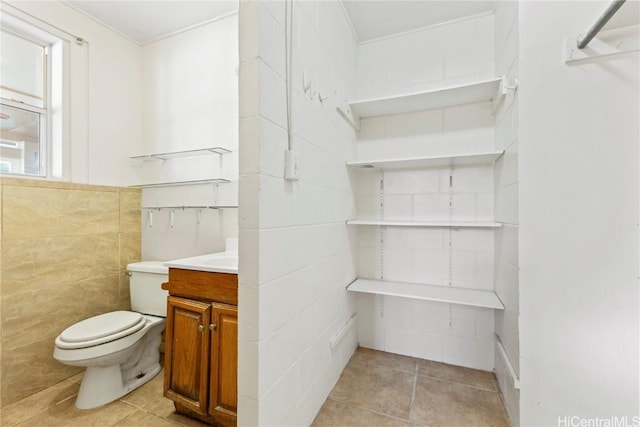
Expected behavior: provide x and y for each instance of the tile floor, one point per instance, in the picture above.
(54, 407)
(376, 389)
(384, 389)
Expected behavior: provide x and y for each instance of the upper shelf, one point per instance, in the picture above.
(472, 159)
(179, 154)
(483, 90)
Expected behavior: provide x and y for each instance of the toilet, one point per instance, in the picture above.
(120, 349)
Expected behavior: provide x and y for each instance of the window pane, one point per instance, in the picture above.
(19, 141)
(22, 65)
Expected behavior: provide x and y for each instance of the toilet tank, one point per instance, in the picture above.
(145, 292)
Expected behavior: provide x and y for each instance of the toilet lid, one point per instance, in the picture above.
(103, 326)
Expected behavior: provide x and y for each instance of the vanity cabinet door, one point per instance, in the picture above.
(223, 390)
(187, 353)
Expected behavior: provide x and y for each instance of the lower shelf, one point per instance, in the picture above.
(448, 294)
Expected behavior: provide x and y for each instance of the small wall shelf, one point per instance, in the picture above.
(179, 154)
(446, 294)
(430, 224)
(183, 183)
(471, 159)
(152, 208)
(448, 96)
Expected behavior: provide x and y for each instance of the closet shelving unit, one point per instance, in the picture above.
(493, 90)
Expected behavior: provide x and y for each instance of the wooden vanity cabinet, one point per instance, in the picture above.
(201, 350)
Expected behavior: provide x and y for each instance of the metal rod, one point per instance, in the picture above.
(601, 22)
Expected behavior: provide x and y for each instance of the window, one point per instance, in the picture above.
(43, 71)
(24, 104)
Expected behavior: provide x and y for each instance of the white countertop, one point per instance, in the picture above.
(220, 262)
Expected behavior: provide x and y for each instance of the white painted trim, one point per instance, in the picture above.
(507, 362)
(141, 44)
(189, 28)
(342, 332)
(348, 18)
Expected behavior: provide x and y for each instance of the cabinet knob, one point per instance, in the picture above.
(201, 328)
(213, 326)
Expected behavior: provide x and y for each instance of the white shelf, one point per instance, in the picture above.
(471, 159)
(183, 183)
(447, 294)
(448, 96)
(179, 154)
(152, 208)
(432, 224)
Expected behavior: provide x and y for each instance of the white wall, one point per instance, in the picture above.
(101, 137)
(295, 257)
(578, 235)
(506, 208)
(450, 53)
(190, 102)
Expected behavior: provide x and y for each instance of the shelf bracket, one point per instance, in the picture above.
(346, 113)
(609, 44)
(505, 88)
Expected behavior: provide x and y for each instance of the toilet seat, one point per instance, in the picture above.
(100, 329)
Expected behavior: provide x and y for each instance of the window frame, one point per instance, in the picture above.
(31, 34)
(68, 84)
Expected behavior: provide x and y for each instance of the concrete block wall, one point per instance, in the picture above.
(295, 248)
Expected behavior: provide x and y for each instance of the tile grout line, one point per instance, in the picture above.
(362, 408)
(458, 383)
(413, 393)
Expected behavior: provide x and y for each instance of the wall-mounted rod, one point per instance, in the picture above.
(601, 22)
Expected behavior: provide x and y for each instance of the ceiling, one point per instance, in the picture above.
(150, 20)
(374, 19)
(146, 21)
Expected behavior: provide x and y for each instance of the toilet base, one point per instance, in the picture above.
(103, 384)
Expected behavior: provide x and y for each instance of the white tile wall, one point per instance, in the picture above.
(293, 296)
(506, 207)
(425, 59)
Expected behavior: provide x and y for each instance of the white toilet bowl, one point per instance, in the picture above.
(120, 348)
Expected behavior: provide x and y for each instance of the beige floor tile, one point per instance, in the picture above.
(380, 389)
(164, 408)
(148, 395)
(336, 414)
(144, 419)
(458, 374)
(65, 414)
(445, 404)
(26, 408)
(388, 360)
(185, 421)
